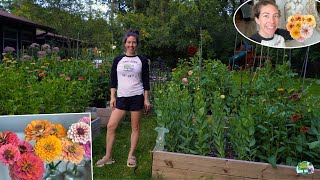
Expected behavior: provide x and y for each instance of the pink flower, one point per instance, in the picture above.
(87, 148)
(68, 79)
(306, 31)
(28, 167)
(85, 120)
(190, 72)
(300, 39)
(79, 132)
(184, 80)
(24, 147)
(7, 137)
(9, 154)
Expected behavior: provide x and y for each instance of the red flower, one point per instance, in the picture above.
(295, 117)
(81, 78)
(41, 74)
(192, 50)
(8, 137)
(304, 129)
(295, 96)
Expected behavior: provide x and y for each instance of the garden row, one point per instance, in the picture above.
(46, 84)
(264, 119)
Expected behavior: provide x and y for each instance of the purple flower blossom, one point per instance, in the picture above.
(55, 49)
(8, 49)
(87, 149)
(45, 47)
(34, 46)
(42, 53)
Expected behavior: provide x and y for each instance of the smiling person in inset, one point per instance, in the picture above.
(267, 17)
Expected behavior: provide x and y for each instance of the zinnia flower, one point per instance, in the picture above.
(73, 152)
(190, 72)
(290, 19)
(37, 129)
(87, 149)
(295, 117)
(309, 19)
(9, 154)
(7, 137)
(298, 17)
(59, 131)
(298, 24)
(68, 79)
(290, 26)
(79, 132)
(81, 78)
(85, 120)
(48, 148)
(184, 80)
(41, 74)
(28, 167)
(306, 31)
(304, 129)
(295, 33)
(24, 147)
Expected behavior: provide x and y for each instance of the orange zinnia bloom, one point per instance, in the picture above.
(59, 131)
(295, 33)
(37, 129)
(73, 152)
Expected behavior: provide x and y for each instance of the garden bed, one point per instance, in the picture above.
(169, 165)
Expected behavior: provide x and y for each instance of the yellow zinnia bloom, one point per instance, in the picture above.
(310, 20)
(48, 148)
(298, 24)
(290, 19)
(295, 33)
(59, 131)
(37, 129)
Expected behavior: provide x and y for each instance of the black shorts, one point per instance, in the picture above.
(133, 103)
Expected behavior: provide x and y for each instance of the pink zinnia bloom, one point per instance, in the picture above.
(68, 78)
(24, 147)
(301, 39)
(28, 167)
(306, 31)
(7, 137)
(184, 80)
(85, 120)
(190, 72)
(81, 78)
(87, 148)
(79, 132)
(9, 154)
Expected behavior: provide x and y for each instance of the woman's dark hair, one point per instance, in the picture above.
(256, 9)
(131, 32)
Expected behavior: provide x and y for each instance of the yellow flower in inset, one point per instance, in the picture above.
(298, 24)
(37, 129)
(48, 148)
(59, 131)
(290, 19)
(290, 26)
(295, 33)
(310, 20)
(73, 152)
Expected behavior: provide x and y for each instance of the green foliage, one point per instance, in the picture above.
(267, 118)
(46, 86)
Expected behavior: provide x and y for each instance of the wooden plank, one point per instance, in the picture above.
(225, 167)
(171, 173)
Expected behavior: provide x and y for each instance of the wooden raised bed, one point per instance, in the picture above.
(168, 165)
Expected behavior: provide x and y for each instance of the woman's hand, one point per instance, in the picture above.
(146, 105)
(112, 104)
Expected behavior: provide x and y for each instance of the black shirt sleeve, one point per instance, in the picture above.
(114, 77)
(284, 33)
(145, 73)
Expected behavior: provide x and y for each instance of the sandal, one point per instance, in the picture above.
(103, 161)
(132, 162)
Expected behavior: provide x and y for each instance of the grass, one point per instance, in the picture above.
(119, 169)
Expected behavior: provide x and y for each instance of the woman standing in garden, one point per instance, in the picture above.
(267, 15)
(129, 92)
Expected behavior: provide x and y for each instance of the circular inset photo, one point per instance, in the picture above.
(279, 23)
